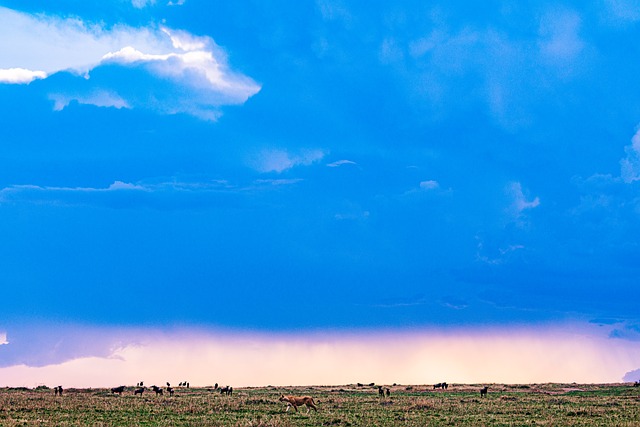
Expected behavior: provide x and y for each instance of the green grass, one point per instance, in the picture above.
(460, 405)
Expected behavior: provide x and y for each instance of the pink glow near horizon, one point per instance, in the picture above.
(248, 359)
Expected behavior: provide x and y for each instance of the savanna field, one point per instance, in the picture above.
(349, 405)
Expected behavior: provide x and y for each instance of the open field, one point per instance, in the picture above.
(349, 405)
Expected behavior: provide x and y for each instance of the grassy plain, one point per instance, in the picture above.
(349, 405)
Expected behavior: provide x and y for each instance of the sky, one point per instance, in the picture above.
(434, 191)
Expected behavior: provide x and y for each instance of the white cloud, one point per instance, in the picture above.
(429, 185)
(630, 165)
(623, 10)
(519, 200)
(200, 80)
(275, 160)
(390, 51)
(139, 4)
(340, 163)
(20, 75)
(454, 68)
(559, 36)
(98, 98)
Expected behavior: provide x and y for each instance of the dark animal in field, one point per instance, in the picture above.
(442, 386)
(387, 392)
(372, 384)
(298, 401)
(138, 391)
(226, 390)
(483, 391)
(187, 385)
(215, 387)
(170, 391)
(380, 391)
(118, 390)
(57, 390)
(157, 389)
(168, 385)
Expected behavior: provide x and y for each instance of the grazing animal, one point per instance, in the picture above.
(298, 401)
(483, 391)
(118, 390)
(226, 390)
(139, 391)
(57, 390)
(388, 392)
(380, 391)
(157, 389)
(187, 385)
(215, 387)
(170, 391)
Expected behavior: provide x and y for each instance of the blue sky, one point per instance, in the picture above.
(283, 167)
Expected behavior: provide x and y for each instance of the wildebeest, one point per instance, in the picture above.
(226, 390)
(383, 391)
(215, 387)
(170, 391)
(139, 391)
(442, 386)
(298, 401)
(157, 389)
(483, 391)
(57, 390)
(118, 390)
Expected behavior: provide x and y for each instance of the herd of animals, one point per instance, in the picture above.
(140, 388)
(292, 401)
